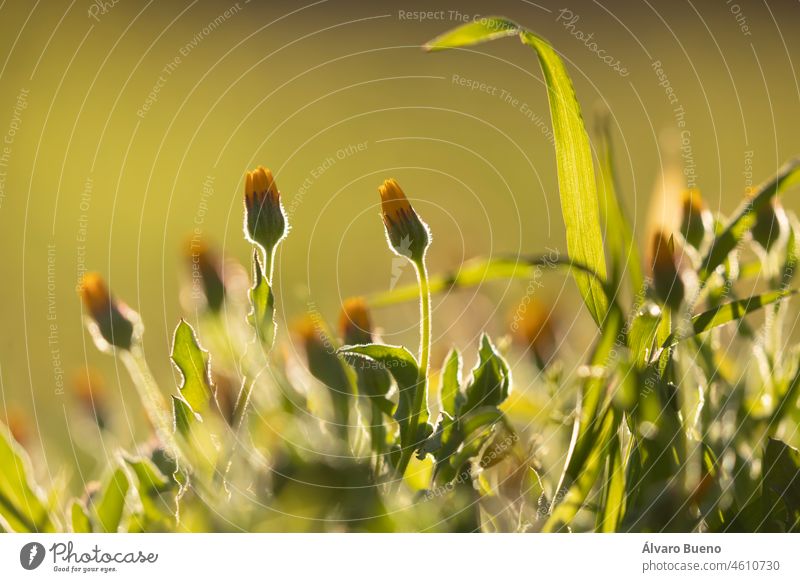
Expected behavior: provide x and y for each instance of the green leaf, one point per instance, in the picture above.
(576, 178)
(184, 416)
(158, 495)
(22, 506)
(491, 379)
(479, 271)
(727, 313)
(478, 419)
(619, 234)
(474, 32)
(450, 389)
(326, 366)
(79, 518)
(575, 495)
(110, 508)
(745, 217)
(781, 481)
(402, 365)
(588, 421)
(642, 333)
(532, 490)
(612, 504)
(262, 306)
(150, 477)
(193, 363)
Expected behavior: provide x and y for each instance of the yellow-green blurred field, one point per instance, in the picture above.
(128, 127)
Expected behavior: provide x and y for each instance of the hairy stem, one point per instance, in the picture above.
(243, 399)
(155, 405)
(421, 390)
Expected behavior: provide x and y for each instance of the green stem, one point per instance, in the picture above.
(155, 405)
(421, 391)
(243, 400)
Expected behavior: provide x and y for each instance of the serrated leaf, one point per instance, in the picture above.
(149, 477)
(402, 365)
(450, 387)
(491, 379)
(110, 507)
(184, 416)
(744, 218)
(22, 507)
(576, 179)
(80, 522)
(193, 363)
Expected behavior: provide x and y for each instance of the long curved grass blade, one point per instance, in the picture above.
(577, 493)
(622, 248)
(726, 313)
(576, 179)
(590, 420)
(743, 220)
(476, 272)
(612, 505)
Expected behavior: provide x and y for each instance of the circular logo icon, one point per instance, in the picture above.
(31, 555)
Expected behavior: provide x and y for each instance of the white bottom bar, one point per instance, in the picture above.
(389, 557)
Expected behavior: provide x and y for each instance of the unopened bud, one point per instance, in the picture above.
(771, 224)
(408, 235)
(533, 330)
(355, 325)
(265, 219)
(667, 282)
(112, 324)
(90, 392)
(206, 272)
(696, 220)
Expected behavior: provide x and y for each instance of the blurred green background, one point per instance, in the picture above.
(126, 125)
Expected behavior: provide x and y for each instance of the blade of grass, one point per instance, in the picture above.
(743, 220)
(475, 273)
(612, 506)
(619, 234)
(576, 179)
(726, 313)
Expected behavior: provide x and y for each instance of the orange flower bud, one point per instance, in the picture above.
(355, 325)
(696, 220)
(408, 235)
(667, 282)
(111, 323)
(90, 391)
(533, 330)
(206, 271)
(265, 220)
(771, 224)
(19, 425)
